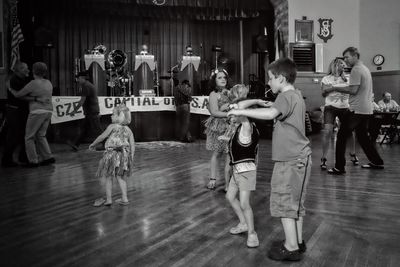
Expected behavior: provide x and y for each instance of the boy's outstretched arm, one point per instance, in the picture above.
(251, 102)
(258, 113)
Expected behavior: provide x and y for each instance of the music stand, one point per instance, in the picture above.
(188, 70)
(216, 49)
(145, 59)
(145, 62)
(194, 60)
(90, 58)
(172, 71)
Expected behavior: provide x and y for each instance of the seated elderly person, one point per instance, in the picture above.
(375, 106)
(375, 122)
(387, 103)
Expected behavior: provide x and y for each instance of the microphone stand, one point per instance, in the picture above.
(172, 78)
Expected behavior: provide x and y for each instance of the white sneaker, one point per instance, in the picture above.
(252, 240)
(238, 229)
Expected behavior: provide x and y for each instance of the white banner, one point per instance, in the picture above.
(64, 105)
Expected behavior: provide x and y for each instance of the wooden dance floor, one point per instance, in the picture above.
(47, 218)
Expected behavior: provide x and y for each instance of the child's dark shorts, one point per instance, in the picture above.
(288, 188)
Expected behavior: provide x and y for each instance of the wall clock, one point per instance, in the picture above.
(378, 60)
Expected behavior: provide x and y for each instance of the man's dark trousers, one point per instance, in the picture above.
(359, 123)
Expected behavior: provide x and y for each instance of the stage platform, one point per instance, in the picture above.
(47, 218)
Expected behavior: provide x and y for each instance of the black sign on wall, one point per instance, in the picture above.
(325, 29)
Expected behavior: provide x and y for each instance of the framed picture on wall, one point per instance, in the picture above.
(304, 31)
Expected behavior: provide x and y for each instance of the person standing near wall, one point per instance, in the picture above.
(183, 96)
(17, 110)
(90, 104)
(358, 115)
(36, 145)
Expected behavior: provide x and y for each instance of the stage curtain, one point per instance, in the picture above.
(77, 30)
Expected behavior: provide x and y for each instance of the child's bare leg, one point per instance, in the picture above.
(231, 197)
(123, 186)
(214, 164)
(108, 190)
(247, 210)
(227, 171)
(289, 227)
(213, 170)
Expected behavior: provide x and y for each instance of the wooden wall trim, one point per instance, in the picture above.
(386, 73)
(301, 74)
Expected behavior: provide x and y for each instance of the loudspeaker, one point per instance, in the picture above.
(319, 58)
(43, 37)
(260, 44)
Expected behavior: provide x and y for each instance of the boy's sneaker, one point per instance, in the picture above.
(282, 254)
(252, 240)
(302, 245)
(238, 229)
(48, 161)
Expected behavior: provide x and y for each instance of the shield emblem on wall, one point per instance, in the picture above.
(325, 29)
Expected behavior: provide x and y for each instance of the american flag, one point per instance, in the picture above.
(16, 37)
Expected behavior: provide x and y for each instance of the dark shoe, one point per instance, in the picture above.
(48, 161)
(372, 166)
(32, 165)
(222, 190)
(336, 171)
(8, 164)
(186, 140)
(302, 245)
(323, 164)
(282, 254)
(73, 146)
(100, 147)
(354, 159)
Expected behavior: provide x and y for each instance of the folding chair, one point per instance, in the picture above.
(389, 128)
